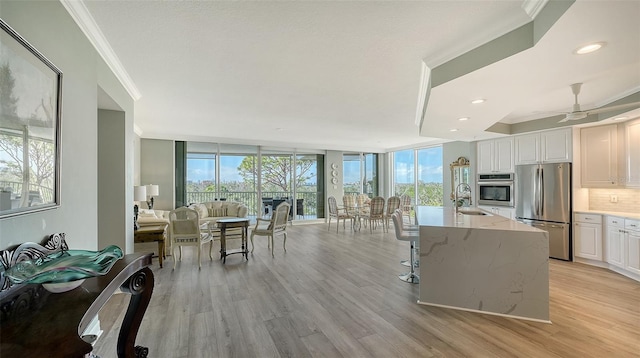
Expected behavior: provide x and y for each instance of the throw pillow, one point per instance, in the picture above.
(232, 209)
(144, 213)
(220, 212)
(202, 210)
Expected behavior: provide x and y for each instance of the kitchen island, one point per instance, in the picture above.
(476, 261)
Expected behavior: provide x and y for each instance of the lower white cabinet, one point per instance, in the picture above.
(509, 213)
(587, 230)
(618, 250)
(632, 233)
(615, 240)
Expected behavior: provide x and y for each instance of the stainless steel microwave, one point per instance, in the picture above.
(496, 189)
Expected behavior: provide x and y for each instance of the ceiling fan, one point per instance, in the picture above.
(577, 113)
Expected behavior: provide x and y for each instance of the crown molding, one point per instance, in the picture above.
(533, 7)
(87, 24)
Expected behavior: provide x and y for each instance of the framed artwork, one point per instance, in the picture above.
(30, 119)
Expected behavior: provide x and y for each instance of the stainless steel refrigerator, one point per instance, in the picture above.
(543, 200)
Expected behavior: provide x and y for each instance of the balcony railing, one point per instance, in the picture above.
(310, 201)
(37, 194)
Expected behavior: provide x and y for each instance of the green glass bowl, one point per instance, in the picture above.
(65, 266)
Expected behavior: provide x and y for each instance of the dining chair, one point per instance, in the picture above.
(393, 203)
(338, 214)
(184, 230)
(375, 213)
(405, 204)
(277, 224)
(363, 201)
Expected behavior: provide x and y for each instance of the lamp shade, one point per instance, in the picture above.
(153, 190)
(139, 193)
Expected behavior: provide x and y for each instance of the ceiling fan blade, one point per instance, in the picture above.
(614, 108)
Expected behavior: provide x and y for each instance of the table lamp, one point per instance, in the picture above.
(152, 190)
(139, 194)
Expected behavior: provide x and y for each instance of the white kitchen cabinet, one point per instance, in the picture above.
(495, 156)
(509, 213)
(615, 241)
(552, 146)
(632, 153)
(599, 156)
(632, 238)
(588, 236)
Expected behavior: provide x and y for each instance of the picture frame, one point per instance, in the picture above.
(30, 127)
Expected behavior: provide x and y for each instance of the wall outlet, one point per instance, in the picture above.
(613, 198)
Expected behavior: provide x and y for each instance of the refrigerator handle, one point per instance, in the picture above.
(541, 191)
(535, 191)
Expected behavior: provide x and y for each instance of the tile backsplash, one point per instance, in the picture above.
(628, 200)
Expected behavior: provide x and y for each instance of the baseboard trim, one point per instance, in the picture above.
(485, 312)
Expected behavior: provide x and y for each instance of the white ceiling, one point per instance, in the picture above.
(347, 75)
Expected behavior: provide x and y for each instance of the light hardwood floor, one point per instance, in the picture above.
(338, 295)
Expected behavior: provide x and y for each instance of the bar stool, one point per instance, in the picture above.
(412, 237)
(403, 227)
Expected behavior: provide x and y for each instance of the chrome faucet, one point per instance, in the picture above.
(467, 189)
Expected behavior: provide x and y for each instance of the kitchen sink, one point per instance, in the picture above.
(472, 212)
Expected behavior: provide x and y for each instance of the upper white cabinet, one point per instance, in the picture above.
(599, 157)
(632, 153)
(495, 156)
(544, 147)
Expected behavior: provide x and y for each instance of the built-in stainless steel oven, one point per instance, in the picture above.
(496, 189)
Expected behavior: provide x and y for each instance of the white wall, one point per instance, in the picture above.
(157, 166)
(112, 226)
(450, 152)
(335, 190)
(50, 29)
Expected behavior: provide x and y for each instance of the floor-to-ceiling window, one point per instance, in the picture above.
(418, 174)
(404, 173)
(251, 174)
(360, 173)
(238, 173)
(429, 175)
(309, 186)
(201, 182)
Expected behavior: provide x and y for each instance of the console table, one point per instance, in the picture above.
(151, 234)
(37, 323)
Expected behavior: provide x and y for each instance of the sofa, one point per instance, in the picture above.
(208, 212)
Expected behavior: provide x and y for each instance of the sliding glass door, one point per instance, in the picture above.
(257, 177)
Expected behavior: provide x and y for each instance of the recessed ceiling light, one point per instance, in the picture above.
(589, 48)
(620, 118)
(453, 130)
(463, 119)
(478, 101)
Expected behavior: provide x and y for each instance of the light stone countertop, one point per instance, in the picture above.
(619, 214)
(437, 216)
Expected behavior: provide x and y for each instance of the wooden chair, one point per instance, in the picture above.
(276, 225)
(335, 212)
(405, 204)
(375, 213)
(184, 230)
(393, 203)
(363, 201)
